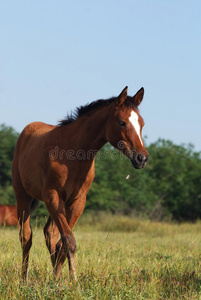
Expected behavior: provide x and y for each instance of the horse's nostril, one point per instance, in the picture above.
(140, 157)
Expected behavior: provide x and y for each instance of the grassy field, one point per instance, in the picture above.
(117, 258)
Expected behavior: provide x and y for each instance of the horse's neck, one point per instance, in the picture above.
(88, 133)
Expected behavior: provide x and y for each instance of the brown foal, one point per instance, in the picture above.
(55, 164)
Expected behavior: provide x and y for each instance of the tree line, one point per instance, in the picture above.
(168, 188)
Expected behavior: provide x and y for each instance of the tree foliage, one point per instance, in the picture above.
(8, 138)
(169, 186)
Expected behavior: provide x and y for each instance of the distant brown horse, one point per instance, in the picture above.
(8, 215)
(55, 164)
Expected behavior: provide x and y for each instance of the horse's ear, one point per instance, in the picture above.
(137, 98)
(122, 97)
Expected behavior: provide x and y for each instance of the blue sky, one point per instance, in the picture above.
(56, 55)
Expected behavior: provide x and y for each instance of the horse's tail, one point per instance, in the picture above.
(34, 204)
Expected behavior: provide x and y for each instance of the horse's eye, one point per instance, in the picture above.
(122, 123)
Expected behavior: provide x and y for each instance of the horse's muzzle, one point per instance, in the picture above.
(139, 161)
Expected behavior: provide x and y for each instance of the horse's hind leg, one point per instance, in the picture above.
(51, 233)
(23, 212)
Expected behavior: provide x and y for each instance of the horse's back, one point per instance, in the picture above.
(32, 135)
(28, 155)
(31, 132)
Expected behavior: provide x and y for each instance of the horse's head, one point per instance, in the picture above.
(125, 126)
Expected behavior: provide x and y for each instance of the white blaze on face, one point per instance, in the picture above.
(134, 121)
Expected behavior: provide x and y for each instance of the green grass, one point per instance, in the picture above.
(117, 258)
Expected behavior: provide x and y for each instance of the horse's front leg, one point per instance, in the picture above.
(51, 233)
(73, 212)
(66, 246)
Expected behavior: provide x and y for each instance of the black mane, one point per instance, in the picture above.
(83, 110)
